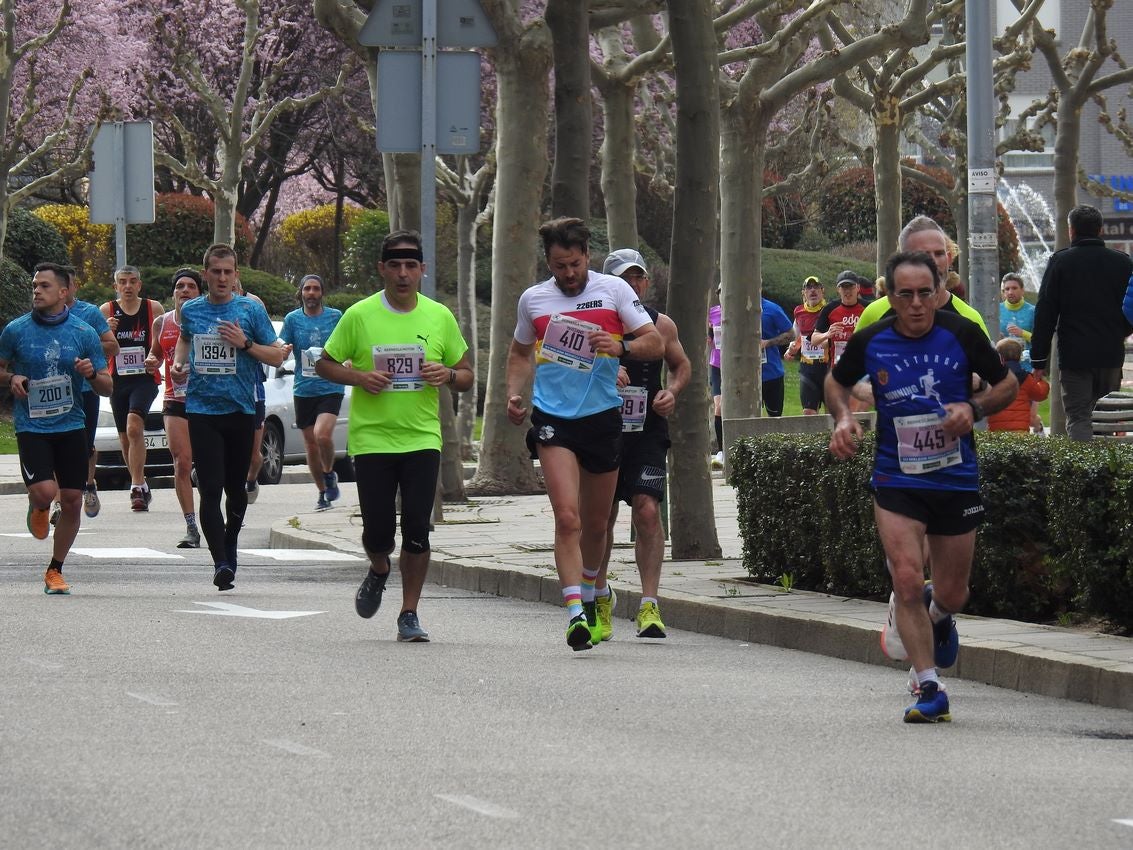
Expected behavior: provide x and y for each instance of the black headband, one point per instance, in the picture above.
(402, 254)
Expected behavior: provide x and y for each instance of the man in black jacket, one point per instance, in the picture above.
(1080, 298)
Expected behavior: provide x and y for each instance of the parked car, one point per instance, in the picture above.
(282, 443)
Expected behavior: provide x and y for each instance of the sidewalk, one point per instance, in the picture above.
(504, 546)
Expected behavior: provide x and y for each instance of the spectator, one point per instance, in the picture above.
(1017, 415)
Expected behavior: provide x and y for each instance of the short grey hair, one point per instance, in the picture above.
(127, 270)
(917, 225)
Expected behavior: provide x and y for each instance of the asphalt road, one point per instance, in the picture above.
(137, 713)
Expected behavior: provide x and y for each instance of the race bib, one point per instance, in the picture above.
(839, 348)
(310, 356)
(812, 352)
(922, 445)
(403, 362)
(762, 356)
(566, 342)
(130, 361)
(49, 396)
(180, 391)
(634, 400)
(213, 356)
(718, 336)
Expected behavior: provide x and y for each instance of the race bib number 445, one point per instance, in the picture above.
(922, 445)
(403, 362)
(567, 343)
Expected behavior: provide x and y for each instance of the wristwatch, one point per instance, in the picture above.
(977, 410)
(247, 343)
(625, 347)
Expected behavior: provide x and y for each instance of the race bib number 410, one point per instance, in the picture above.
(403, 362)
(567, 342)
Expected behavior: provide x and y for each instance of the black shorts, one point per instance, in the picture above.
(91, 404)
(308, 408)
(173, 407)
(811, 378)
(596, 440)
(944, 512)
(644, 455)
(773, 391)
(62, 456)
(133, 394)
(261, 413)
(379, 478)
(714, 379)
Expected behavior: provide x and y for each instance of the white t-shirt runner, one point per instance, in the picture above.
(571, 381)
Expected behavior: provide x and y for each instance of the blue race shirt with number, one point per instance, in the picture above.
(90, 314)
(304, 332)
(229, 393)
(916, 376)
(773, 322)
(48, 351)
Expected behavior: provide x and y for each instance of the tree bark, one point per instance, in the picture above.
(570, 177)
(692, 521)
(617, 152)
(887, 175)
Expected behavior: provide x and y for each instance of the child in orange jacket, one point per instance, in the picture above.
(1017, 415)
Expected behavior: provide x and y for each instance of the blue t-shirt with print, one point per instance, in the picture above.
(305, 332)
(90, 314)
(46, 354)
(223, 392)
(774, 322)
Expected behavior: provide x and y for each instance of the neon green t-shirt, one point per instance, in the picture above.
(394, 421)
(877, 310)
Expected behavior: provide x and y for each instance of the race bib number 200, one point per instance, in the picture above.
(403, 362)
(49, 396)
(566, 342)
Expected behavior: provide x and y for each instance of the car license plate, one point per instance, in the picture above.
(156, 441)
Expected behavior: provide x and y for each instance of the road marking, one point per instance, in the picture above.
(227, 609)
(127, 552)
(46, 665)
(151, 699)
(302, 554)
(297, 749)
(1124, 821)
(482, 807)
(28, 534)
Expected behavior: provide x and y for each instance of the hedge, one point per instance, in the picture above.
(1057, 539)
(15, 291)
(180, 234)
(31, 240)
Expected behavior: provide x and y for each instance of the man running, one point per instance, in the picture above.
(645, 446)
(131, 319)
(836, 321)
(224, 338)
(46, 356)
(812, 357)
(570, 331)
(166, 331)
(925, 479)
(317, 401)
(401, 347)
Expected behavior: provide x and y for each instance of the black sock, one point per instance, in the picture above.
(718, 424)
(55, 565)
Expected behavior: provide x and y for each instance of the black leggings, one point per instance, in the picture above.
(222, 450)
(379, 477)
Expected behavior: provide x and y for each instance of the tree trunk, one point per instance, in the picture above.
(466, 226)
(224, 203)
(617, 156)
(570, 178)
(887, 175)
(692, 520)
(521, 154)
(452, 467)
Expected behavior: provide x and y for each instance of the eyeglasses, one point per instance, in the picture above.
(911, 294)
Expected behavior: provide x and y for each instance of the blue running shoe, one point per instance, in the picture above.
(409, 628)
(931, 706)
(332, 493)
(945, 638)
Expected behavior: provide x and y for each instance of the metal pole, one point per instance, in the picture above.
(429, 143)
(983, 254)
(118, 130)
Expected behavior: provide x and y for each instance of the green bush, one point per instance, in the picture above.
(181, 232)
(277, 294)
(1057, 539)
(785, 271)
(15, 291)
(342, 300)
(363, 250)
(31, 240)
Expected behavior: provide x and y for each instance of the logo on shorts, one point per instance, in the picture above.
(972, 511)
(546, 434)
(30, 476)
(650, 474)
(882, 377)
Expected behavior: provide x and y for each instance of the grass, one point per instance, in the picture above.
(7, 436)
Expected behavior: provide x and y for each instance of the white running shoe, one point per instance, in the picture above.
(890, 639)
(718, 460)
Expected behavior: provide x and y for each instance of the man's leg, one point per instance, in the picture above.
(902, 539)
(418, 483)
(561, 474)
(1078, 400)
(314, 457)
(377, 502)
(135, 444)
(773, 392)
(177, 432)
(649, 548)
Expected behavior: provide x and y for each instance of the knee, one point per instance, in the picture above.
(647, 517)
(908, 582)
(567, 523)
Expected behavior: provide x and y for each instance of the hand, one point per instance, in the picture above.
(179, 372)
(1014, 330)
(435, 374)
(19, 386)
(151, 364)
(959, 419)
(516, 412)
(1038, 373)
(790, 353)
(603, 342)
(844, 441)
(623, 377)
(84, 367)
(374, 381)
(113, 322)
(664, 403)
(233, 334)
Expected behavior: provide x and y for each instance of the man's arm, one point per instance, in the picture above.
(1046, 318)
(647, 344)
(520, 367)
(781, 339)
(678, 365)
(847, 430)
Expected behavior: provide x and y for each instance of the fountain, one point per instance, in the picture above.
(1035, 224)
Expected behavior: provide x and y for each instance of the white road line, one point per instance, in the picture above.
(1124, 821)
(227, 609)
(320, 555)
(46, 665)
(124, 553)
(151, 699)
(297, 749)
(482, 807)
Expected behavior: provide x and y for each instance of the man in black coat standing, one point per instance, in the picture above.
(1080, 298)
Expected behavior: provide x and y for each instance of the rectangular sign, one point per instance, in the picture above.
(981, 181)
(397, 23)
(457, 102)
(121, 182)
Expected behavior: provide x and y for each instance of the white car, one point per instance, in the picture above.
(282, 443)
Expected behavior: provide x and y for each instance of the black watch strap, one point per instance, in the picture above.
(977, 410)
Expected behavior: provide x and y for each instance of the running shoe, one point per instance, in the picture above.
(138, 501)
(718, 460)
(53, 583)
(322, 504)
(409, 628)
(253, 490)
(91, 503)
(332, 492)
(39, 522)
(578, 634)
(945, 638)
(56, 509)
(931, 706)
(604, 607)
(649, 623)
(223, 577)
(914, 682)
(148, 494)
(192, 538)
(369, 596)
(890, 639)
(590, 610)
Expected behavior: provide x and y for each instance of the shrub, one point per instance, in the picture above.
(363, 249)
(32, 240)
(277, 294)
(15, 291)
(90, 246)
(181, 232)
(310, 243)
(342, 300)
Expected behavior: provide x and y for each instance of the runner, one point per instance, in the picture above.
(925, 481)
(812, 357)
(570, 331)
(46, 356)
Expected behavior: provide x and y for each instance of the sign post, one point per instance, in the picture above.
(121, 182)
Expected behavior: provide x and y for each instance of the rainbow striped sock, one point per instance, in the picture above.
(588, 579)
(572, 599)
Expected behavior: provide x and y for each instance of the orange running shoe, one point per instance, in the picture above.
(39, 522)
(53, 582)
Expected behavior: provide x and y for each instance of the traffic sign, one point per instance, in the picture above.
(121, 184)
(457, 102)
(397, 23)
